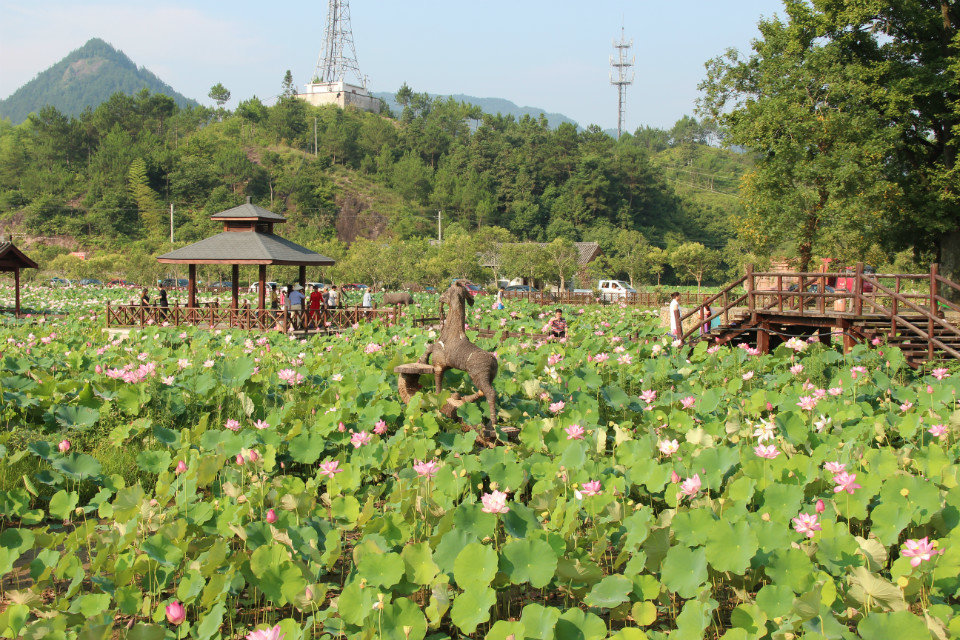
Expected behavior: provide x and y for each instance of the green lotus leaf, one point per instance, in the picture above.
(144, 631)
(472, 607)
(162, 550)
(418, 563)
(730, 547)
(575, 624)
(78, 466)
(76, 417)
(402, 620)
(381, 569)
(62, 504)
(154, 461)
(866, 586)
(528, 560)
(775, 600)
(694, 619)
(610, 592)
(790, 567)
(503, 629)
(684, 570)
(539, 621)
(899, 625)
(90, 604)
(475, 566)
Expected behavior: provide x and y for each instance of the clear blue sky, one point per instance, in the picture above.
(549, 54)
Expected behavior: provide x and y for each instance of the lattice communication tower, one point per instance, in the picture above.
(621, 74)
(338, 60)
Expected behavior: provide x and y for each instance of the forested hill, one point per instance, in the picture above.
(492, 106)
(85, 78)
(107, 178)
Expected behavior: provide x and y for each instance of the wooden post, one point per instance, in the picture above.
(262, 286)
(302, 279)
(749, 285)
(192, 286)
(235, 286)
(763, 337)
(108, 313)
(822, 290)
(16, 286)
(858, 290)
(934, 270)
(780, 293)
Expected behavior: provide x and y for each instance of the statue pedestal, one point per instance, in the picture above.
(409, 378)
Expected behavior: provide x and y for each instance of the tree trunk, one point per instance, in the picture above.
(948, 248)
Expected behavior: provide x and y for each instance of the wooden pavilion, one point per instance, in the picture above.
(12, 259)
(247, 238)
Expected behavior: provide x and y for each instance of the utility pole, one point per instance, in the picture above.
(171, 223)
(439, 227)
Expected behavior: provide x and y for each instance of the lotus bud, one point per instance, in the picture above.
(239, 458)
(176, 614)
(271, 516)
(253, 456)
(674, 477)
(64, 446)
(820, 506)
(181, 467)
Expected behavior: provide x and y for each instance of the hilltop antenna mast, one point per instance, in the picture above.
(339, 56)
(620, 74)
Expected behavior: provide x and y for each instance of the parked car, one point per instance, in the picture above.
(59, 282)
(614, 289)
(254, 287)
(120, 282)
(521, 287)
(90, 282)
(355, 286)
(473, 288)
(319, 285)
(221, 284)
(173, 283)
(848, 282)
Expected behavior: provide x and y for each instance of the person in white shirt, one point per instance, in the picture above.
(675, 324)
(367, 299)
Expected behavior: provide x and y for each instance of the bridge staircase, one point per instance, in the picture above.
(763, 309)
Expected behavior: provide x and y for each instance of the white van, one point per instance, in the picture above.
(611, 290)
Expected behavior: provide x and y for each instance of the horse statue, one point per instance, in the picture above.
(455, 351)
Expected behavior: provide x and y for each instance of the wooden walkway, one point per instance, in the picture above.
(763, 309)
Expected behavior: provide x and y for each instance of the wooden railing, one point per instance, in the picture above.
(906, 302)
(639, 298)
(248, 318)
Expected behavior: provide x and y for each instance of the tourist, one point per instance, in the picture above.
(557, 325)
(367, 302)
(162, 303)
(274, 300)
(316, 303)
(296, 297)
(333, 298)
(498, 305)
(283, 297)
(676, 327)
(144, 299)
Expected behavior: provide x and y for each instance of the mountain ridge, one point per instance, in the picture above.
(493, 106)
(85, 78)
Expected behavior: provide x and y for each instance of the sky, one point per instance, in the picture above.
(553, 55)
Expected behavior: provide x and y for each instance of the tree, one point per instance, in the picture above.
(219, 94)
(632, 254)
(289, 89)
(851, 110)
(693, 261)
(561, 255)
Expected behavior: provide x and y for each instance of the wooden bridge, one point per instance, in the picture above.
(763, 309)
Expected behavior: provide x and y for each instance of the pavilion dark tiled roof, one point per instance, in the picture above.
(247, 247)
(11, 257)
(249, 211)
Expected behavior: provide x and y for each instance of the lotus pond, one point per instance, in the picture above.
(192, 484)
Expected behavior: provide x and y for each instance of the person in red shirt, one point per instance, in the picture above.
(557, 325)
(316, 303)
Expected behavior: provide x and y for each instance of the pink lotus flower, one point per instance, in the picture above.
(574, 432)
(591, 488)
(330, 468)
(64, 446)
(648, 396)
(940, 373)
(845, 482)
(820, 507)
(876, 341)
(919, 550)
(181, 467)
(233, 425)
(806, 524)
(807, 403)
(747, 375)
(796, 369)
(855, 371)
(690, 486)
(252, 455)
(835, 467)
(273, 633)
(494, 502)
(835, 391)
(938, 431)
(668, 447)
(906, 406)
(674, 477)
(766, 451)
(271, 516)
(764, 431)
(380, 428)
(625, 359)
(261, 424)
(426, 469)
(360, 439)
(176, 614)
(601, 357)
(373, 347)
(554, 358)
(290, 376)
(557, 407)
(688, 402)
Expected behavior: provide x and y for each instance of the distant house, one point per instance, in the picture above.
(587, 253)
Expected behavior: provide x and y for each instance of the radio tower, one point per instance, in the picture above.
(338, 60)
(621, 75)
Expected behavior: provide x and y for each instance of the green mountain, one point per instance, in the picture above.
(493, 106)
(85, 78)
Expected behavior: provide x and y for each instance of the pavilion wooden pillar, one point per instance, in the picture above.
(16, 287)
(235, 285)
(303, 277)
(192, 286)
(262, 286)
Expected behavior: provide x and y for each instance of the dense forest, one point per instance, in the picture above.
(107, 179)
